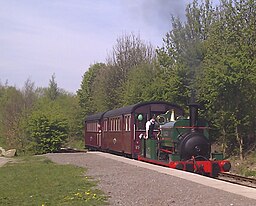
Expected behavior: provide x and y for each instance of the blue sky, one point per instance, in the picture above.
(39, 38)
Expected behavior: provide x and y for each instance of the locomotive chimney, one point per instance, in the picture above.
(193, 111)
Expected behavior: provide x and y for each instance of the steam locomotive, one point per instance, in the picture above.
(174, 141)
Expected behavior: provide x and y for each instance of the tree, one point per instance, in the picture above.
(184, 50)
(106, 90)
(87, 90)
(11, 113)
(138, 84)
(103, 85)
(229, 85)
(128, 53)
(64, 108)
(29, 94)
(15, 107)
(53, 90)
(72, 113)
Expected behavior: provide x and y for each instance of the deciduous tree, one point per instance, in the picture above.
(228, 84)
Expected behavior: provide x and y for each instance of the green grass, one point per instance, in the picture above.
(38, 181)
(247, 167)
(2, 142)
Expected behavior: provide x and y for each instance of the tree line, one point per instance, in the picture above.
(38, 120)
(211, 52)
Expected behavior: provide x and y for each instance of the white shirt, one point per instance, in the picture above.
(148, 123)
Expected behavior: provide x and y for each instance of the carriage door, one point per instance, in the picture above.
(99, 134)
(99, 139)
(139, 131)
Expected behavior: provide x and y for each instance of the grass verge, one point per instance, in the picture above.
(246, 167)
(38, 181)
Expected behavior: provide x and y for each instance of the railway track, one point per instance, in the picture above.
(237, 179)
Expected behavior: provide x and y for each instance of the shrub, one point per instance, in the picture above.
(47, 135)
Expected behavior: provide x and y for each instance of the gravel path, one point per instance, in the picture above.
(129, 185)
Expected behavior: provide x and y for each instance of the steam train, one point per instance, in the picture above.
(174, 141)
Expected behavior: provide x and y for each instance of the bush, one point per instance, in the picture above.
(47, 135)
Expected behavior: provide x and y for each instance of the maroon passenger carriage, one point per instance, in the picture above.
(119, 130)
(93, 132)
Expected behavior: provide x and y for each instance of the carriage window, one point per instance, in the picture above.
(111, 125)
(92, 127)
(115, 124)
(105, 128)
(119, 124)
(141, 120)
(127, 122)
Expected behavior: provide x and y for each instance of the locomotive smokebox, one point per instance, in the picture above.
(193, 111)
(194, 142)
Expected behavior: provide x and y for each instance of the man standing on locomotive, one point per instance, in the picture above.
(150, 125)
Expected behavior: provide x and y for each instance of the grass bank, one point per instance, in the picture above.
(246, 167)
(38, 181)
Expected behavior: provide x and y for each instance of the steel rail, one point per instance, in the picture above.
(237, 179)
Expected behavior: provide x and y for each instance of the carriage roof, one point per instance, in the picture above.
(130, 109)
(94, 117)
